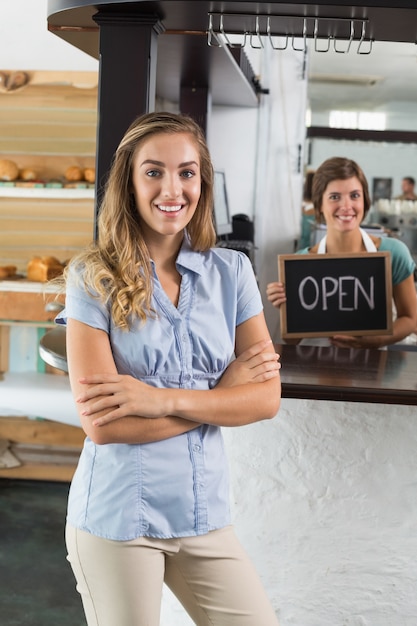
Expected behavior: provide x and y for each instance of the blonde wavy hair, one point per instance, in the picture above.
(116, 268)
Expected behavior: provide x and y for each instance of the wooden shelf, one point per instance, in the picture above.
(49, 193)
(27, 306)
(41, 471)
(46, 450)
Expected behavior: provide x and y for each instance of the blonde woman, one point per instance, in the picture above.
(155, 316)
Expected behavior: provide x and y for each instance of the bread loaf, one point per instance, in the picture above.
(42, 269)
(7, 271)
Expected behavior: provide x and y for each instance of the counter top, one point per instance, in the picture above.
(22, 285)
(330, 373)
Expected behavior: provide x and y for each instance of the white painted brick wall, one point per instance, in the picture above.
(325, 502)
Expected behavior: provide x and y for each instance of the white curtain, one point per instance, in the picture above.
(279, 164)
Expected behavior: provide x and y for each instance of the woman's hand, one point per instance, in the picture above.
(255, 365)
(121, 396)
(349, 341)
(275, 292)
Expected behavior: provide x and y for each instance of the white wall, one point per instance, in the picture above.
(324, 495)
(24, 21)
(377, 159)
(233, 152)
(325, 503)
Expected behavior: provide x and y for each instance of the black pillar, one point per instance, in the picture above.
(195, 95)
(127, 78)
(195, 102)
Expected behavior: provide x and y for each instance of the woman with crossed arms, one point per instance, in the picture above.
(155, 315)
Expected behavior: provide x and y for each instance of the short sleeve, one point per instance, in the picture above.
(402, 262)
(82, 306)
(249, 301)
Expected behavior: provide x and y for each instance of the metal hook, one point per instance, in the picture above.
(358, 51)
(352, 32)
(258, 35)
(211, 35)
(304, 38)
(316, 32)
(268, 32)
(229, 43)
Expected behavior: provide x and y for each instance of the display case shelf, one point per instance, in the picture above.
(50, 193)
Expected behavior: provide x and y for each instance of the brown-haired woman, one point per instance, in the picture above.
(341, 200)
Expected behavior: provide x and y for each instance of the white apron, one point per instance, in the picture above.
(368, 243)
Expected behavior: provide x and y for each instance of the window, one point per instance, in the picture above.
(363, 120)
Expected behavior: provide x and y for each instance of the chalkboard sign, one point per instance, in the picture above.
(331, 294)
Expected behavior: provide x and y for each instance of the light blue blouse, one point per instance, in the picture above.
(180, 486)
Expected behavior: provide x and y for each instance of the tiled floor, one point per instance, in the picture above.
(37, 587)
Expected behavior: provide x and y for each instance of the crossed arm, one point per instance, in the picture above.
(117, 408)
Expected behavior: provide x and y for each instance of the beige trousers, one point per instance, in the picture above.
(120, 582)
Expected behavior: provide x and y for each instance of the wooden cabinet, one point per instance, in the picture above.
(36, 449)
(47, 126)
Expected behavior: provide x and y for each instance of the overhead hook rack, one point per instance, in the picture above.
(237, 30)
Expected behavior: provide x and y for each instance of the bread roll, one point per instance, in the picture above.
(90, 174)
(42, 269)
(8, 170)
(27, 174)
(74, 174)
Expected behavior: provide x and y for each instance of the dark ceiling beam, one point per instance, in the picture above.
(401, 136)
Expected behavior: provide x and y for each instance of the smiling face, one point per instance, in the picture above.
(166, 183)
(343, 205)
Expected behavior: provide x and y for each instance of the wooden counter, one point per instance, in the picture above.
(329, 373)
(42, 448)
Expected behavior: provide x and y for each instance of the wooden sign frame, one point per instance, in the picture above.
(313, 282)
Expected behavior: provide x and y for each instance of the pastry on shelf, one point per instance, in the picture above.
(74, 174)
(28, 174)
(42, 269)
(90, 174)
(7, 271)
(17, 80)
(8, 170)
